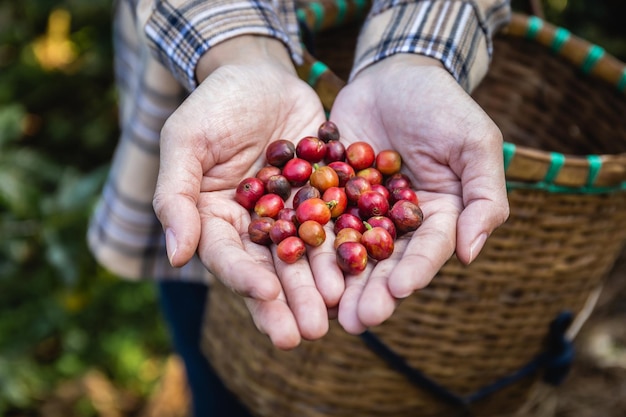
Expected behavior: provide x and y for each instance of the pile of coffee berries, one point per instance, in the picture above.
(364, 194)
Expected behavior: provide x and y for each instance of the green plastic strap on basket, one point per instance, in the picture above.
(593, 55)
(556, 163)
(317, 69)
(534, 25)
(621, 84)
(318, 13)
(595, 164)
(509, 152)
(342, 9)
(561, 36)
(361, 5)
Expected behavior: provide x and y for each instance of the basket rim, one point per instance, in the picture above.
(552, 171)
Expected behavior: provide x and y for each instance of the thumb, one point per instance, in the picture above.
(176, 195)
(486, 208)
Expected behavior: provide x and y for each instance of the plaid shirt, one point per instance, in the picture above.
(158, 44)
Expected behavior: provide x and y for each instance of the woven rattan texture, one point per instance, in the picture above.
(541, 101)
(471, 325)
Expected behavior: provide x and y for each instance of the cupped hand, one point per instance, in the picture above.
(216, 138)
(451, 150)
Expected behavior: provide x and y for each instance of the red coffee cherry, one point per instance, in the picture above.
(279, 152)
(406, 216)
(297, 171)
(388, 162)
(360, 155)
(351, 257)
(313, 209)
(291, 249)
(249, 191)
(328, 131)
(282, 229)
(312, 233)
(269, 205)
(311, 149)
(378, 242)
(259, 230)
(372, 203)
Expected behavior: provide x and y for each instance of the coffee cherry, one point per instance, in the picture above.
(378, 243)
(356, 186)
(360, 155)
(344, 171)
(347, 235)
(304, 193)
(278, 184)
(297, 171)
(398, 180)
(259, 230)
(338, 197)
(266, 172)
(348, 220)
(282, 229)
(313, 209)
(249, 191)
(372, 175)
(403, 194)
(287, 213)
(388, 162)
(406, 216)
(335, 151)
(312, 233)
(291, 249)
(379, 188)
(328, 131)
(351, 257)
(311, 149)
(323, 177)
(384, 222)
(279, 152)
(372, 203)
(269, 205)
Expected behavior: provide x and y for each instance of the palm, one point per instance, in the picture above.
(441, 133)
(227, 123)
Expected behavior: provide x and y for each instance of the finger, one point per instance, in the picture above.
(485, 203)
(431, 245)
(329, 279)
(303, 297)
(231, 257)
(347, 314)
(376, 303)
(275, 319)
(176, 195)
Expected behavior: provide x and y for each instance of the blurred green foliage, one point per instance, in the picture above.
(60, 314)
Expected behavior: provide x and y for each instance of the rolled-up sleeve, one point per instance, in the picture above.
(179, 32)
(458, 33)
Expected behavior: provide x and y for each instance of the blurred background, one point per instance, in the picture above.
(77, 341)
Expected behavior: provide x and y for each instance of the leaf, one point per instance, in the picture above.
(11, 119)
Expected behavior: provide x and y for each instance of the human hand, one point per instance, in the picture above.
(216, 138)
(451, 150)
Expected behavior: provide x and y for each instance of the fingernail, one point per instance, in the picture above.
(476, 246)
(170, 244)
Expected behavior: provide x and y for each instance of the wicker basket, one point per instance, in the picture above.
(560, 104)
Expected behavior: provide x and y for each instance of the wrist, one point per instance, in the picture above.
(244, 50)
(401, 60)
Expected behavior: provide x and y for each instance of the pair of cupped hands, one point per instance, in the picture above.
(250, 95)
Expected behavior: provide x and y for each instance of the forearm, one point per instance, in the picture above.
(181, 32)
(457, 33)
(245, 49)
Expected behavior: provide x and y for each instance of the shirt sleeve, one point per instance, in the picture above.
(456, 32)
(179, 32)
